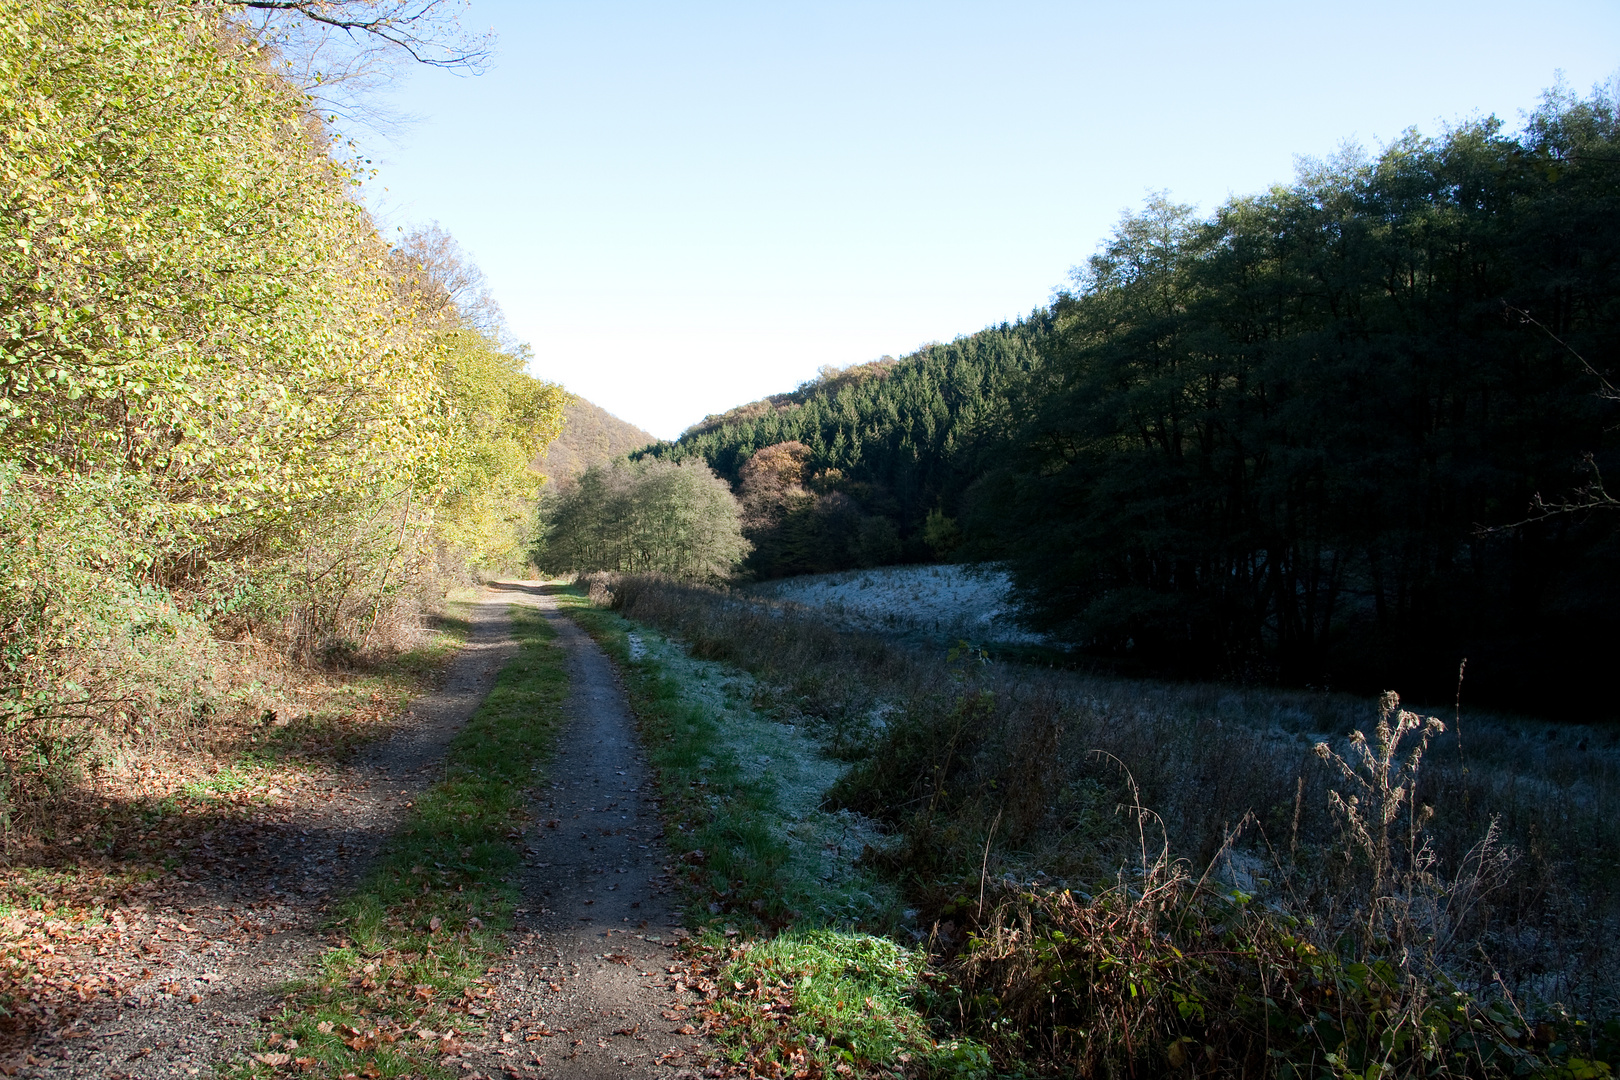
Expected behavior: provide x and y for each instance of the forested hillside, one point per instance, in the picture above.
(866, 465)
(1348, 431)
(1345, 432)
(229, 411)
(590, 436)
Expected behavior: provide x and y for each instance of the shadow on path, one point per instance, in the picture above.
(251, 916)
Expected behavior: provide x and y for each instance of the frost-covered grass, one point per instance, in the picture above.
(792, 774)
(1011, 792)
(750, 787)
(944, 600)
(772, 880)
(1021, 768)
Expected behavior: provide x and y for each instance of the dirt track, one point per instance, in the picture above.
(593, 944)
(592, 922)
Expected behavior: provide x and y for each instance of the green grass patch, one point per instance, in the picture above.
(228, 781)
(402, 987)
(819, 999)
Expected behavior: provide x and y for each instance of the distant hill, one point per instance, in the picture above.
(591, 435)
(860, 459)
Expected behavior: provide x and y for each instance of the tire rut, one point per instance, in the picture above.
(591, 986)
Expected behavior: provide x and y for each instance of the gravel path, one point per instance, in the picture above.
(592, 986)
(217, 950)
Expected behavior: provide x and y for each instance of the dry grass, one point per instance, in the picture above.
(178, 702)
(1007, 782)
(136, 830)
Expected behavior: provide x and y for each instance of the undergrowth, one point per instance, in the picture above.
(403, 985)
(1285, 916)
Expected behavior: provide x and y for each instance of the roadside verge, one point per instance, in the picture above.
(399, 992)
(790, 924)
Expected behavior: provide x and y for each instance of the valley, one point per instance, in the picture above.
(1197, 668)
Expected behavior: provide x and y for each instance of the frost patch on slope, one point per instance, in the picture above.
(787, 761)
(962, 601)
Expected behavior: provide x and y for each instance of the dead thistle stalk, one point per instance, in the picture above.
(984, 867)
(1384, 784)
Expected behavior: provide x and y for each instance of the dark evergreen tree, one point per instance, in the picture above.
(884, 444)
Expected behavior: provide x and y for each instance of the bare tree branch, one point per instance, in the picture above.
(428, 31)
(1608, 391)
(1590, 496)
(445, 284)
(344, 54)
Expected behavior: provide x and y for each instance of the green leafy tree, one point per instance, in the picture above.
(648, 516)
(225, 404)
(1274, 441)
(187, 291)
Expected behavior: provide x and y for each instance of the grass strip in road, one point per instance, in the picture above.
(402, 987)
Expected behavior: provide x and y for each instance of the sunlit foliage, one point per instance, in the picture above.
(223, 399)
(648, 516)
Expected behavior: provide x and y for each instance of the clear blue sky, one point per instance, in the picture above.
(683, 207)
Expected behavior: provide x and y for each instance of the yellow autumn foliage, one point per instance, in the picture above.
(216, 397)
